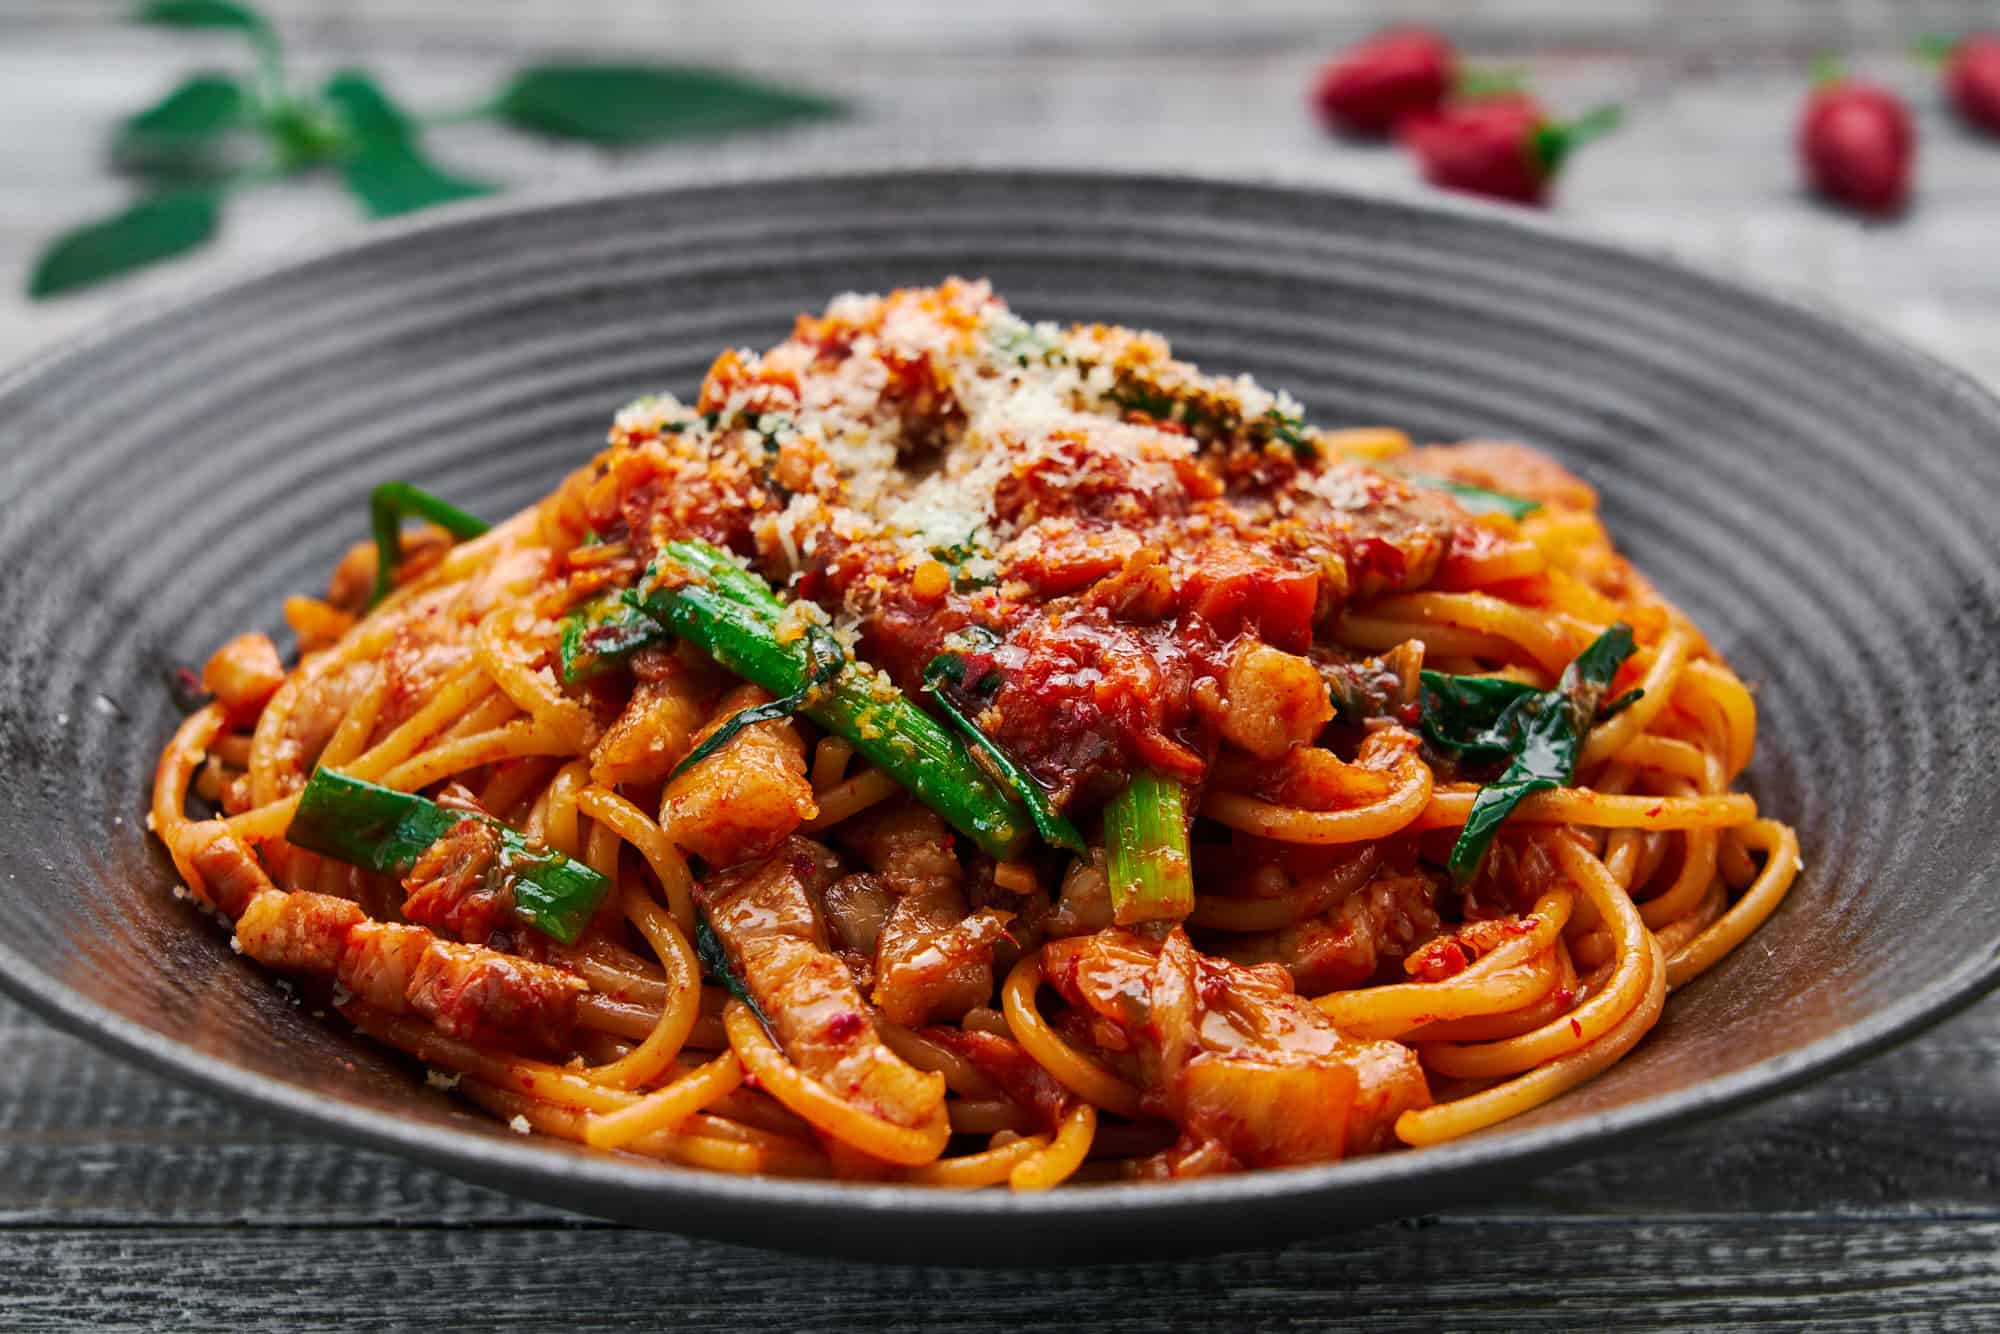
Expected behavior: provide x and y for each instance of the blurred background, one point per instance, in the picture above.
(1704, 164)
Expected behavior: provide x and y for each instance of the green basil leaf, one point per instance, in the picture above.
(182, 128)
(385, 167)
(390, 180)
(621, 106)
(152, 230)
(1597, 664)
(1465, 713)
(1477, 499)
(1549, 743)
(1543, 730)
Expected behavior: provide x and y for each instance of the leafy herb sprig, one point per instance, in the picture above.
(1477, 499)
(1541, 732)
(218, 132)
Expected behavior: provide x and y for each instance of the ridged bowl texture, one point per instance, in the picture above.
(1824, 502)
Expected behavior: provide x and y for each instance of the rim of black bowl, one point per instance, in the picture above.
(483, 1155)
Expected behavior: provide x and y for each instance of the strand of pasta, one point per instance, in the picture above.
(1503, 979)
(1462, 1116)
(1705, 686)
(1674, 935)
(454, 695)
(1225, 912)
(1550, 641)
(517, 740)
(1697, 870)
(1450, 808)
(665, 1108)
(484, 716)
(738, 1156)
(1782, 865)
(534, 689)
(350, 738)
(550, 1083)
(1571, 595)
(171, 776)
(1558, 1000)
(1656, 686)
(612, 969)
(960, 1075)
(637, 828)
(988, 1167)
(604, 1014)
(511, 784)
(1679, 759)
(1070, 1067)
(266, 781)
(601, 846)
(1055, 1162)
(1588, 1021)
(561, 828)
(829, 763)
(1294, 824)
(682, 1003)
(850, 797)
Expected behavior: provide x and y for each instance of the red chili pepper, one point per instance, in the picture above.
(1372, 87)
(1857, 144)
(1972, 79)
(1505, 147)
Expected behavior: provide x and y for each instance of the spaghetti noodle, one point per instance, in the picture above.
(966, 752)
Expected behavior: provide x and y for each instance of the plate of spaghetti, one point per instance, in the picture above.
(742, 725)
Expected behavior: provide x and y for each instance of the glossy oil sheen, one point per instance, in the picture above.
(1822, 501)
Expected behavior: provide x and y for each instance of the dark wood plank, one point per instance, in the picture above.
(1865, 1273)
(85, 1140)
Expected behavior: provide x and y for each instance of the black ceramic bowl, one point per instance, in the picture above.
(1821, 499)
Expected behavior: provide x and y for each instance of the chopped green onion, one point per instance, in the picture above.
(392, 502)
(733, 616)
(601, 634)
(1147, 860)
(380, 829)
(1054, 828)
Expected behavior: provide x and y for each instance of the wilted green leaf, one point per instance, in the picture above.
(385, 167)
(202, 14)
(371, 114)
(222, 15)
(180, 134)
(151, 230)
(625, 105)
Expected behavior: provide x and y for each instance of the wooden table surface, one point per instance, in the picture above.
(1869, 1201)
